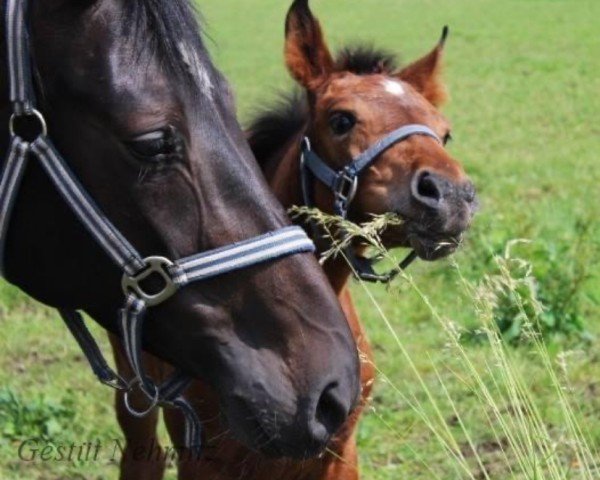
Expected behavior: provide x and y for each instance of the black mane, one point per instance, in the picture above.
(366, 60)
(159, 28)
(273, 128)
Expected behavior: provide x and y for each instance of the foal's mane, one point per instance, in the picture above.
(274, 127)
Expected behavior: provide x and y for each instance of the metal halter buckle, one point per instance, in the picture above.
(345, 187)
(154, 265)
(43, 127)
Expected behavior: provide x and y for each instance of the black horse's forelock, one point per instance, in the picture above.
(275, 126)
(161, 28)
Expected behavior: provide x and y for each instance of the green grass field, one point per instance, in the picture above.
(524, 76)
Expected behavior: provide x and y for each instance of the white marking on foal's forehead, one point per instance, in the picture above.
(394, 87)
(191, 59)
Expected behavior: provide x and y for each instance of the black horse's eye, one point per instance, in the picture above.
(157, 146)
(342, 122)
(447, 138)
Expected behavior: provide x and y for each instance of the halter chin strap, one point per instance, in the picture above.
(344, 184)
(174, 274)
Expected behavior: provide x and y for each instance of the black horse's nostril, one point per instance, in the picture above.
(331, 412)
(427, 189)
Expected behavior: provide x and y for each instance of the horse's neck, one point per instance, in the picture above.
(284, 179)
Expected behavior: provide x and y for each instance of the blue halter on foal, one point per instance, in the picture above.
(344, 184)
(175, 274)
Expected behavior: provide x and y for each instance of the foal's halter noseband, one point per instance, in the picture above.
(174, 274)
(344, 185)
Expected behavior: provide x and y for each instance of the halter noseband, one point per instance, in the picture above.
(175, 274)
(344, 185)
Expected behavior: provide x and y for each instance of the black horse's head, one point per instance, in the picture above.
(147, 123)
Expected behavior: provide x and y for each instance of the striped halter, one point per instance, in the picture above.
(175, 274)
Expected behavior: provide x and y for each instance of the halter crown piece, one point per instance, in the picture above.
(175, 274)
(344, 184)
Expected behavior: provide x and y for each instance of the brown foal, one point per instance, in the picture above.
(348, 104)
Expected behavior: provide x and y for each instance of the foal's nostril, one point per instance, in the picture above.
(426, 189)
(331, 412)
(469, 193)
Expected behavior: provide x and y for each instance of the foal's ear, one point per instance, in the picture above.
(425, 74)
(306, 54)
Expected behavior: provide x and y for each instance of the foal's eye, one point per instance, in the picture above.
(157, 146)
(447, 138)
(342, 122)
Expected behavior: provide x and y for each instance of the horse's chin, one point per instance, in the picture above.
(427, 246)
(430, 250)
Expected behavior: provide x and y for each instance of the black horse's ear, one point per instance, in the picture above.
(306, 53)
(425, 73)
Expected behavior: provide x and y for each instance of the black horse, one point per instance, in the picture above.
(147, 124)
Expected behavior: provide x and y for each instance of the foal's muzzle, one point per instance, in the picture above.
(441, 210)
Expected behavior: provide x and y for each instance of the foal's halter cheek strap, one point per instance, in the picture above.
(136, 268)
(344, 185)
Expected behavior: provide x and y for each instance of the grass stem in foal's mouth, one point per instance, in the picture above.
(368, 233)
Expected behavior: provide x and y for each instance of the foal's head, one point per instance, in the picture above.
(360, 98)
(144, 119)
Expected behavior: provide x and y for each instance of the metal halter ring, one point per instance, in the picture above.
(33, 113)
(306, 144)
(154, 265)
(305, 148)
(154, 400)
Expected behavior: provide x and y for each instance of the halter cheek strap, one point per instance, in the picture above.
(175, 274)
(344, 184)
